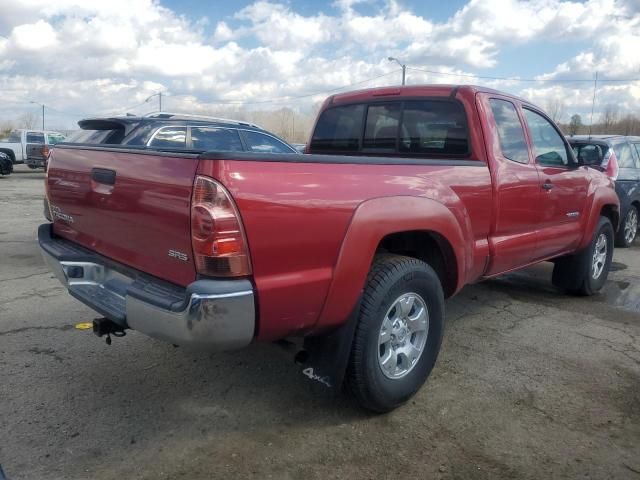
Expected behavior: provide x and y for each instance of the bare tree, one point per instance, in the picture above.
(608, 118)
(27, 120)
(575, 124)
(628, 125)
(556, 109)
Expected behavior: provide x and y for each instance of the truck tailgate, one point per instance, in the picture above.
(131, 207)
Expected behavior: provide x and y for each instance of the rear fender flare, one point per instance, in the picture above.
(372, 221)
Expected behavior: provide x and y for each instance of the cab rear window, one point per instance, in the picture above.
(408, 128)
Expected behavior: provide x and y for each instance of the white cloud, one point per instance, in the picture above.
(34, 36)
(90, 57)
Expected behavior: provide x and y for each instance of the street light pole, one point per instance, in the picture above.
(159, 95)
(42, 105)
(404, 68)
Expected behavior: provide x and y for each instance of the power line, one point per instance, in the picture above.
(516, 79)
(289, 97)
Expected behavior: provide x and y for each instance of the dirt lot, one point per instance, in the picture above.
(529, 384)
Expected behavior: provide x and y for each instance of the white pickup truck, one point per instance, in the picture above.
(29, 146)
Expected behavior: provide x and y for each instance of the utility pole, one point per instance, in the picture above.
(42, 105)
(593, 102)
(404, 68)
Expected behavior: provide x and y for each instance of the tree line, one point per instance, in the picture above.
(295, 127)
(608, 122)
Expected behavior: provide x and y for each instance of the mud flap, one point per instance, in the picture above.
(324, 358)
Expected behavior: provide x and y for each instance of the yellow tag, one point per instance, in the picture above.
(84, 326)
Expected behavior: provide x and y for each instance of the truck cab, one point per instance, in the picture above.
(30, 146)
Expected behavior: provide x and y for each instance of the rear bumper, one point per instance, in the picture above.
(208, 314)
(35, 162)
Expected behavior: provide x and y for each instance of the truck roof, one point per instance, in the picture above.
(93, 122)
(436, 90)
(586, 138)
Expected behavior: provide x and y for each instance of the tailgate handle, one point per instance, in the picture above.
(103, 175)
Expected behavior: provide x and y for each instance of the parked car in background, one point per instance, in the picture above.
(619, 157)
(37, 154)
(20, 143)
(176, 131)
(6, 165)
(406, 195)
(299, 146)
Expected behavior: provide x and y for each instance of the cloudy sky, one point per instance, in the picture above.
(86, 58)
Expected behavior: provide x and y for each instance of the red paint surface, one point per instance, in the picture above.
(313, 228)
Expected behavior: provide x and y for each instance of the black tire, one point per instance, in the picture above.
(390, 277)
(575, 273)
(622, 240)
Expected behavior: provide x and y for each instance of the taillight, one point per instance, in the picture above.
(610, 164)
(219, 244)
(45, 151)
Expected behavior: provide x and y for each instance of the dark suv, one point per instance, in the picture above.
(619, 157)
(174, 131)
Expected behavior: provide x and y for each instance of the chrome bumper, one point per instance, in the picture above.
(210, 314)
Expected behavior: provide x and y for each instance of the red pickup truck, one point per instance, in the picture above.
(404, 196)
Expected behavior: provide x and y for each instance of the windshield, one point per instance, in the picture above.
(12, 137)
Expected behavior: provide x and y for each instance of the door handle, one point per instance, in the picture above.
(103, 175)
(547, 185)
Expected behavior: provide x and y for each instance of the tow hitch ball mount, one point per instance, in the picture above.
(104, 326)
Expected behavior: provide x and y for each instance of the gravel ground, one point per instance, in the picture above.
(529, 384)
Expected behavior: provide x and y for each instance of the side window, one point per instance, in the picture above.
(213, 138)
(338, 129)
(35, 137)
(624, 155)
(382, 126)
(548, 145)
(170, 137)
(510, 132)
(261, 143)
(434, 127)
(637, 147)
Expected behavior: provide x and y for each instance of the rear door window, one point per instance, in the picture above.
(510, 133)
(261, 143)
(215, 139)
(549, 148)
(589, 153)
(624, 155)
(170, 137)
(91, 137)
(35, 137)
(433, 127)
(14, 137)
(339, 129)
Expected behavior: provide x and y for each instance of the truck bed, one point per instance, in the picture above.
(295, 209)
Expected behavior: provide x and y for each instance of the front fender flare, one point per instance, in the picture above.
(601, 197)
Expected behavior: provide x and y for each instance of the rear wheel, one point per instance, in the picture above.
(629, 228)
(586, 272)
(399, 332)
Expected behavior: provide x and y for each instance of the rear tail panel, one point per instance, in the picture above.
(131, 207)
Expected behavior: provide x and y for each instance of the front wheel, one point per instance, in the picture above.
(586, 272)
(399, 332)
(629, 228)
